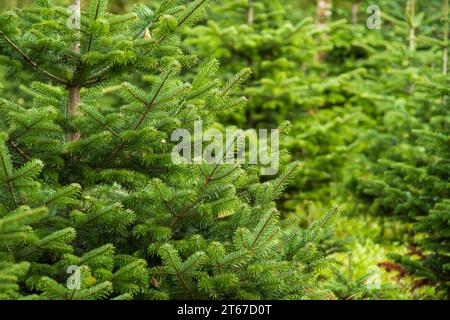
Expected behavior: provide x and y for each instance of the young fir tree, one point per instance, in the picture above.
(135, 224)
(347, 286)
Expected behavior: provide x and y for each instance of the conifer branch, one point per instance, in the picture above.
(266, 223)
(29, 169)
(97, 9)
(98, 77)
(28, 128)
(136, 97)
(8, 180)
(104, 125)
(202, 172)
(205, 90)
(226, 174)
(82, 68)
(58, 235)
(180, 276)
(184, 212)
(185, 18)
(235, 81)
(144, 115)
(18, 149)
(194, 9)
(164, 199)
(33, 64)
(330, 214)
(208, 178)
(149, 106)
(287, 176)
(66, 192)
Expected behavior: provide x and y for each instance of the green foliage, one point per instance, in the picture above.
(257, 34)
(93, 207)
(407, 151)
(357, 99)
(346, 287)
(122, 220)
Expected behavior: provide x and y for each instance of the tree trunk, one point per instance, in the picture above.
(323, 12)
(250, 13)
(74, 91)
(72, 109)
(355, 8)
(410, 13)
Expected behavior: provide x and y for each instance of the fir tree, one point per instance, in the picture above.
(133, 223)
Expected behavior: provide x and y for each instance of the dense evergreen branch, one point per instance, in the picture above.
(33, 64)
